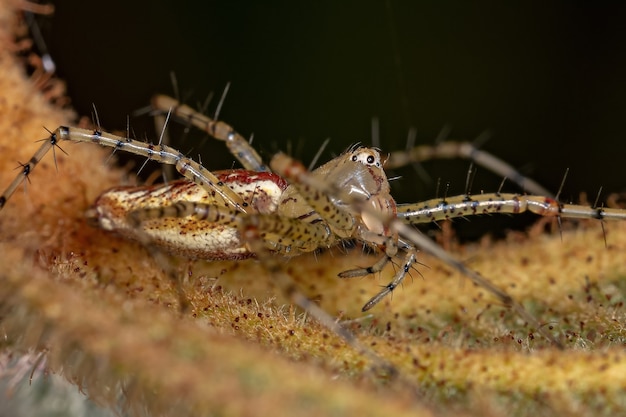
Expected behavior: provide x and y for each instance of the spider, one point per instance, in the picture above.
(287, 210)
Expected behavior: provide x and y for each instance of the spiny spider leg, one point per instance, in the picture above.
(504, 203)
(237, 144)
(160, 153)
(464, 150)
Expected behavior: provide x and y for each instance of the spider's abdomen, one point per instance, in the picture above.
(188, 236)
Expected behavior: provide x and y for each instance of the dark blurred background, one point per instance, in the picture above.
(548, 79)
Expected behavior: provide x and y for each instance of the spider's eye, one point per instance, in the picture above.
(354, 158)
(370, 159)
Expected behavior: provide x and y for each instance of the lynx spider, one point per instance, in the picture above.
(288, 210)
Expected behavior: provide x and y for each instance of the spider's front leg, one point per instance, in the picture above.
(192, 170)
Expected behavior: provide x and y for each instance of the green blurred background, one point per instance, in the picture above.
(548, 79)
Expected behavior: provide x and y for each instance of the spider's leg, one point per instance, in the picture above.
(464, 150)
(160, 153)
(390, 245)
(237, 144)
(465, 205)
(407, 262)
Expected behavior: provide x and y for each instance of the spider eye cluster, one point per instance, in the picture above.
(367, 157)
